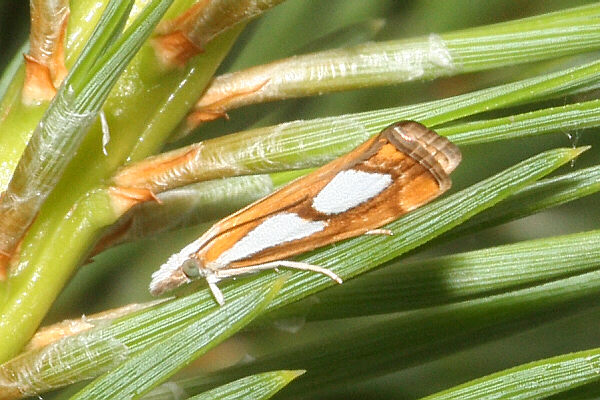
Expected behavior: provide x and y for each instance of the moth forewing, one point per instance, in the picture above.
(396, 171)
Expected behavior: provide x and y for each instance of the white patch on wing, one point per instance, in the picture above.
(175, 261)
(348, 189)
(280, 228)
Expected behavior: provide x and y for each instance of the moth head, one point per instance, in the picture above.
(181, 268)
(192, 269)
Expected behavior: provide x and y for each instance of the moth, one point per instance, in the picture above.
(403, 167)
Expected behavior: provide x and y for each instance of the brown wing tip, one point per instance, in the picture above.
(435, 152)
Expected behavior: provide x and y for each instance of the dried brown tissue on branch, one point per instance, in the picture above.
(154, 172)
(123, 198)
(186, 35)
(45, 64)
(44, 71)
(194, 163)
(214, 103)
(140, 182)
(7, 259)
(173, 44)
(4, 261)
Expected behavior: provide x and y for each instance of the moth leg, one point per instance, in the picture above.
(212, 285)
(273, 265)
(380, 232)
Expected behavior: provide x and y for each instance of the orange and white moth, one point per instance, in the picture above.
(394, 172)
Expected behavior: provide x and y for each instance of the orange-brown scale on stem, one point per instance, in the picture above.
(114, 236)
(123, 198)
(45, 64)
(38, 85)
(215, 106)
(172, 45)
(9, 259)
(4, 260)
(147, 173)
(183, 21)
(197, 118)
(175, 49)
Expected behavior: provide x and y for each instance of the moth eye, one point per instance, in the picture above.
(190, 268)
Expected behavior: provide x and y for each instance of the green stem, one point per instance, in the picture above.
(44, 269)
(68, 119)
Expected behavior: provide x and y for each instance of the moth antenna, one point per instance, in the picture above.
(273, 265)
